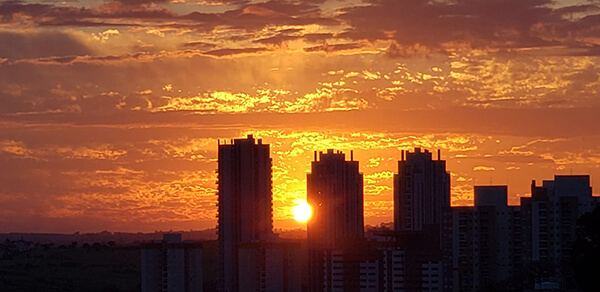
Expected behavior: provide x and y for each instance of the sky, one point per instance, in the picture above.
(111, 111)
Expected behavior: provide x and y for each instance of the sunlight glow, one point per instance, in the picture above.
(302, 212)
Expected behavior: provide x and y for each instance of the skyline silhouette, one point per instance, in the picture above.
(199, 188)
(432, 246)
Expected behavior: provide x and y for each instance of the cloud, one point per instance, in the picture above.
(199, 45)
(110, 13)
(233, 52)
(483, 168)
(140, 2)
(247, 16)
(333, 48)
(277, 39)
(447, 26)
(39, 45)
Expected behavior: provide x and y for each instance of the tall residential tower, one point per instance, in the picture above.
(245, 203)
(421, 191)
(421, 215)
(335, 192)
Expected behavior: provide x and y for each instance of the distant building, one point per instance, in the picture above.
(335, 192)
(372, 266)
(549, 220)
(392, 265)
(483, 238)
(355, 267)
(364, 266)
(171, 265)
(272, 266)
(494, 245)
(245, 203)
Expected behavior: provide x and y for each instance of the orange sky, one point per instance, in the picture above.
(110, 111)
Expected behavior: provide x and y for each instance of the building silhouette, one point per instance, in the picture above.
(483, 240)
(275, 266)
(496, 246)
(245, 203)
(421, 191)
(549, 220)
(171, 265)
(433, 247)
(421, 220)
(336, 229)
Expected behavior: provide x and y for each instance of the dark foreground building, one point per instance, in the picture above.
(496, 246)
(336, 229)
(171, 265)
(421, 220)
(245, 206)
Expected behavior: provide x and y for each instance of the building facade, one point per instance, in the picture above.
(275, 266)
(549, 220)
(421, 191)
(421, 220)
(244, 203)
(335, 192)
(482, 239)
(496, 246)
(171, 265)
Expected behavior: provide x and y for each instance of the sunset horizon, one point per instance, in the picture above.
(111, 112)
(381, 212)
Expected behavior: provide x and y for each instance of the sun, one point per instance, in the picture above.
(302, 211)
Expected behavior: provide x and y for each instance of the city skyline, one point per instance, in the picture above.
(110, 110)
(372, 181)
(546, 242)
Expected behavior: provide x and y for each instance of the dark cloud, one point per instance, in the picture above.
(443, 25)
(48, 14)
(231, 52)
(317, 37)
(83, 23)
(277, 39)
(198, 45)
(522, 122)
(333, 48)
(140, 2)
(414, 26)
(9, 8)
(257, 16)
(27, 45)
(135, 12)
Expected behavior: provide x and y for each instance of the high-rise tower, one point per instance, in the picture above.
(245, 202)
(421, 191)
(335, 192)
(421, 215)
